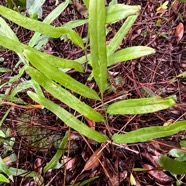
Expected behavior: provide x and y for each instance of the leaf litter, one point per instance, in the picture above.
(152, 73)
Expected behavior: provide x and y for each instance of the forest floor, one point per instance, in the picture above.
(36, 130)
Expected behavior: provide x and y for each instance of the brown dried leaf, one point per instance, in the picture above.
(93, 161)
(160, 176)
(90, 123)
(110, 172)
(151, 158)
(38, 165)
(179, 32)
(69, 163)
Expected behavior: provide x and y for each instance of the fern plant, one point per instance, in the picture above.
(45, 70)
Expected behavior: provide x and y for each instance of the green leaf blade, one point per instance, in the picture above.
(11, 44)
(117, 12)
(58, 154)
(37, 26)
(56, 12)
(4, 168)
(129, 54)
(141, 105)
(56, 61)
(97, 31)
(53, 15)
(115, 42)
(6, 30)
(59, 76)
(171, 165)
(3, 179)
(18, 47)
(3, 70)
(64, 96)
(149, 133)
(86, 2)
(68, 118)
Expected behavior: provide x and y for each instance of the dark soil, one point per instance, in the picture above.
(149, 75)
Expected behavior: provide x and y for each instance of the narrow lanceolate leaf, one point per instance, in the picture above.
(69, 119)
(11, 44)
(56, 12)
(59, 76)
(18, 47)
(37, 26)
(63, 95)
(57, 156)
(53, 15)
(6, 30)
(149, 133)
(85, 182)
(129, 54)
(97, 31)
(141, 105)
(22, 173)
(4, 168)
(117, 39)
(171, 165)
(56, 61)
(117, 12)
(3, 179)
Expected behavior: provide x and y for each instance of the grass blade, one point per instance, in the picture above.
(129, 54)
(60, 77)
(117, 12)
(116, 41)
(171, 165)
(58, 154)
(63, 95)
(149, 133)
(68, 118)
(97, 31)
(141, 105)
(4, 117)
(37, 26)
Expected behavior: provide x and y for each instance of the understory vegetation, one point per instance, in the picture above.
(92, 92)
